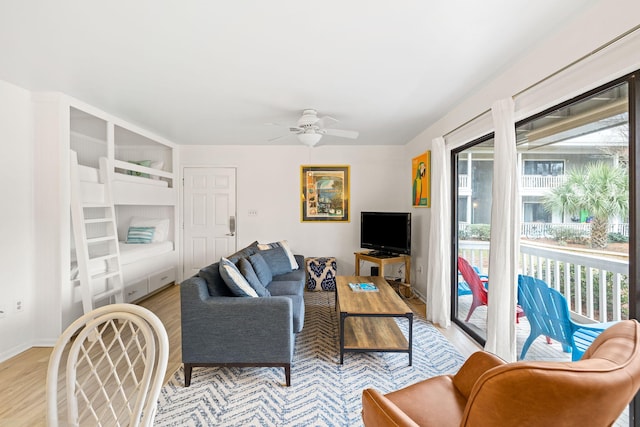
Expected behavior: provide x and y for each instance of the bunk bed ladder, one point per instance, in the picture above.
(96, 238)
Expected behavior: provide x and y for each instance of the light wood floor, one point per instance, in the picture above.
(23, 377)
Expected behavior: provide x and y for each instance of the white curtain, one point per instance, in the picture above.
(505, 236)
(438, 277)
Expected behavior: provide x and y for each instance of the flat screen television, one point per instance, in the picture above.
(387, 233)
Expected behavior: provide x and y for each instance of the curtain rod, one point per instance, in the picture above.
(555, 73)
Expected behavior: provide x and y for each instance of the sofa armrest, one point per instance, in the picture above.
(475, 366)
(378, 411)
(234, 329)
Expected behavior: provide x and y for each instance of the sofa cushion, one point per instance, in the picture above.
(215, 284)
(235, 280)
(261, 268)
(295, 275)
(244, 252)
(247, 271)
(285, 245)
(286, 287)
(277, 260)
(297, 304)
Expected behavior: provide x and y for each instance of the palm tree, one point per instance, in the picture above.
(600, 189)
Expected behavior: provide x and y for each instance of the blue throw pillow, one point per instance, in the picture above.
(285, 245)
(261, 269)
(247, 271)
(140, 234)
(277, 260)
(244, 252)
(235, 280)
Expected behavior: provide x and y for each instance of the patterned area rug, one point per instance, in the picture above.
(322, 392)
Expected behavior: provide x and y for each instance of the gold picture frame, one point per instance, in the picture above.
(324, 193)
(421, 176)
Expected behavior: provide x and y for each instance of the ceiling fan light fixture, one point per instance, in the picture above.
(309, 139)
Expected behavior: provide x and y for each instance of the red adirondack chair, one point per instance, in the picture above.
(478, 289)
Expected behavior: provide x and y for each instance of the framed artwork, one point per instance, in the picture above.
(324, 193)
(421, 174)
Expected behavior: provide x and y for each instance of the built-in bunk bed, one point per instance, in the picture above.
(144, 194)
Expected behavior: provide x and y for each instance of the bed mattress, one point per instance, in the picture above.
(129, 254)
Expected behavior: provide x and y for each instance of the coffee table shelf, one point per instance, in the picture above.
(367, 318)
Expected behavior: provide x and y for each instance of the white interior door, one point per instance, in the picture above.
(209, 216)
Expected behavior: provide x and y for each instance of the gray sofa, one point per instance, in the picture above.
(220, 329)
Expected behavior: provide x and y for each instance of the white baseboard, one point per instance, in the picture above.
(8, 354)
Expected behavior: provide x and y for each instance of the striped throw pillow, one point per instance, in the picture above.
(140, 234)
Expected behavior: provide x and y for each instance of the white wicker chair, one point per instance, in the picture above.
(116, 358)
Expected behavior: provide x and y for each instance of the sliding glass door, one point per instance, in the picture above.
(474, 175)
(579, 211)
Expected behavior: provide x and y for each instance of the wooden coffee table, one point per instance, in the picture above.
(366, 318)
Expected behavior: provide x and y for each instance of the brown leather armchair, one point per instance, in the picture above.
(489, 392)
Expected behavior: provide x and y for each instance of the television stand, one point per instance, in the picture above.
(382, 260)
(380, 254)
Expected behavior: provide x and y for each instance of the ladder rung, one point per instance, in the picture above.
(106, 275)
(102, 239)
(103, 257)
(96, 205)
(106, 294)
(97, 220)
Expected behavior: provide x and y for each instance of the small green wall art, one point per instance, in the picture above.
(324, 193)
(421, 174)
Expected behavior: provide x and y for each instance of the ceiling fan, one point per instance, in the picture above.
(310, 128)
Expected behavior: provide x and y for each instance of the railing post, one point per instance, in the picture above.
(577, 275)
(602, 293)
(589, 292)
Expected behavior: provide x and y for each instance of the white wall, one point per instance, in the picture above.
(16, 247)
(269, 182)
(268, 177)
(595, 28)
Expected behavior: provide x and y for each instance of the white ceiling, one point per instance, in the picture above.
(214, 72)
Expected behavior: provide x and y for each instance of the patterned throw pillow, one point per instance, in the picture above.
(284, 245)
(145, 163)
(161, 225)
(140, 234)
(235, 280)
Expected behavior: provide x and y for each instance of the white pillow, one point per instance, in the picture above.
(156, 165)
(161, 225)
(284, 245)
(235, 280)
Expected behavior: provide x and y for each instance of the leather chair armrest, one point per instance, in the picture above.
(378, 411)
(475, 366)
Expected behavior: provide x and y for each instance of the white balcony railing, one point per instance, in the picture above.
(540, 230)
(463, 181)
(595, 287)
(527, 181)
(541, 181)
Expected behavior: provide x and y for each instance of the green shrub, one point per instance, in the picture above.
(464, 233)
(568, 235)
(480, 231)
(617, 238)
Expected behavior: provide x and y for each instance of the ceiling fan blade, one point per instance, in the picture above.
(278, 137)
(326, 121)
(352, 134)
